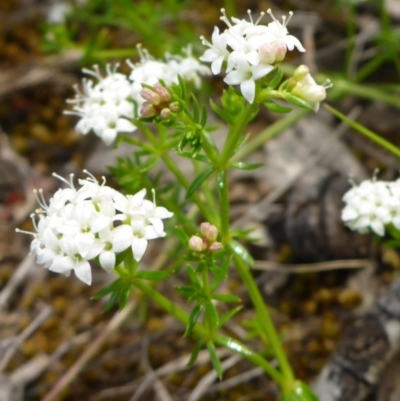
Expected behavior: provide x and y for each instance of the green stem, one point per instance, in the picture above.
(365, 131)
(270, 132)
(201, 332)
(222, 182)
(266, 322)
(234, 134)
(185, 183)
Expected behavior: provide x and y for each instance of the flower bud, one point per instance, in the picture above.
(162, 92)
(150, 96)
(165, 113)
(209, 231)
(280, 50)
(174, 107)
(196, 244)
(215, 247)
(147, 110)
(266, 53)
(301, 72)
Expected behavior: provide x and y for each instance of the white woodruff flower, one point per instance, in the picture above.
(108, 105)
(94, 220)
(249, 50)
(372, 206)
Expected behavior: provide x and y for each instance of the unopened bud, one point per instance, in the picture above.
(280, 50)
(215, 247)
(266, 53)
(164, 114)
(174, 107)
(162, 92)
(147, 110)
(301, 72)
(209, 231)
(150, 96)
(196, 244)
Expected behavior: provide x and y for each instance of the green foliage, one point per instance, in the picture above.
(300, 392)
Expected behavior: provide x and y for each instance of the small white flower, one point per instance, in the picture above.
(307, 89)
(217, 52)
(245, 75)
(372, 206)
(78, 225)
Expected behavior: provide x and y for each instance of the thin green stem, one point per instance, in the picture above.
(201, 332)
(264, 136)
(224, 206)
(266, 322)
(234, 134)
(185, 183)
(365, 131)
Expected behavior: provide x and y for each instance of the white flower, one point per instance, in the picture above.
(372, 206)
(249, 49)
(307, 89)
(217, 52)
(246, 75)
(78, 225)
(278, 33)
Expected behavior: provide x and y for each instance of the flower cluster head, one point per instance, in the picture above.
(92, 221)
(372, 206)
(249, 50)
(109, 104)
(302, 85)
(207, 241)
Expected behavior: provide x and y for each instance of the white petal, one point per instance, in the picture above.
(248, 89)
(139, 246)
(83, 272)
(122, 237)
(107, 261)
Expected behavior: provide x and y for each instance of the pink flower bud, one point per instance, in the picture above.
(266, 53)
(196, 244)
(209, 231)
(147, 110)
(150, 96)
(164, 114)
(215, 247)
(162, 92)
(280, 50)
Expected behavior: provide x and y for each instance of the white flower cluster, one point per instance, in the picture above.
(372, 205)
(78, 225)
(109, 104)
(250, 50)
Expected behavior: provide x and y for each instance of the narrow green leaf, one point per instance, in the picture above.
(242, 252)
(123, 299)
(229, 315)
(297, 101)
(182, 86)
(193, 317)
(111, 301)
(196, 109)
(276, 108)
(246, 166)
(108, 289)
(276, 80)
(212, 315)
(199, 157)
(195, 353)
(203, 118)
(198, 181)
(219, 112)
(152, 275)
(194, 277)
(215, 359)
(226, 298)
